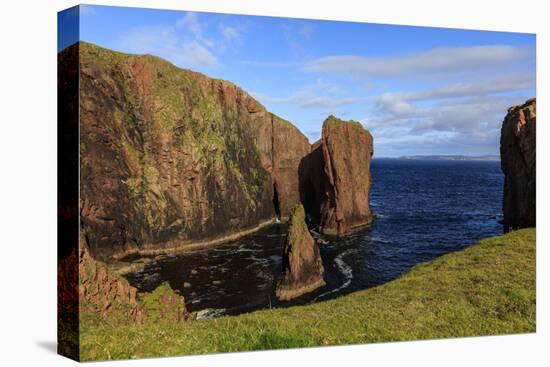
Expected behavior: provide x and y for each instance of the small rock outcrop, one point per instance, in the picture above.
(104, 293)
(108, 295)
(336, 177)
(302, 266)
(518, 162)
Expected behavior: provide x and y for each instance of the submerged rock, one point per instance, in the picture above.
(336, 177)
(518, 162)
(302, 266)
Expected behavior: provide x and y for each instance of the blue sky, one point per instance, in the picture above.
(419, 90)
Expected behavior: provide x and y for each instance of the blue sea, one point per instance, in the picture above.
(424, 209)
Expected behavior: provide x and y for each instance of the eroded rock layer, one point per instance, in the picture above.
(104, 293)
(518, 162)
(302, 266)
(170, 157)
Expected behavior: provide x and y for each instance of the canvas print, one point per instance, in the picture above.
(233, 183)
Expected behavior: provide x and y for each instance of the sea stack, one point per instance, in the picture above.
(302, 266)
(518, 162)
(337, 178)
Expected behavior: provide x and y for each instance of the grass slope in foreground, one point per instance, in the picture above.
(486, 289)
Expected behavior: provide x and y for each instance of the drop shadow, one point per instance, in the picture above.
(48, 345)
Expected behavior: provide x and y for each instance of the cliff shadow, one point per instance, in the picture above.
(310, 174)
(276, 203)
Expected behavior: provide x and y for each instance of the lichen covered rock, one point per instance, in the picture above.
(164, 304)
(170, 157)
(518, 162)
(302, 266)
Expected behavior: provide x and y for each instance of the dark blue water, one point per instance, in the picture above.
(424, 209)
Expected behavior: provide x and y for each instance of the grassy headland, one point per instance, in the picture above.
(486, 289)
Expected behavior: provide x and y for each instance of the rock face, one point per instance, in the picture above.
(518, 162)
(67, 201)
(170, 157)
(104, 293)
(302, 266)
(289, 148)
(336, 177)
(109, 295)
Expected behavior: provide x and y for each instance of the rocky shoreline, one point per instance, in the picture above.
(173, 248)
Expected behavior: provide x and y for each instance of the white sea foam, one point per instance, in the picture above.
(344, 269)
(210, 313)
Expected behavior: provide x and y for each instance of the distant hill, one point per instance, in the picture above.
(453, 157)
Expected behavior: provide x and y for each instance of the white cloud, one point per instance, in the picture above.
(304, 99)
(185, 43)
(472, 109)
(480, 87)
(195, 54)
(229, 33)
(470, 126)
(395, 105)
(316, 95)
(167, 43)
(270, 64)
(190, 23)
(306, 30)
(437, 60)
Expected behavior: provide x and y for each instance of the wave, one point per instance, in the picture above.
(344, 269)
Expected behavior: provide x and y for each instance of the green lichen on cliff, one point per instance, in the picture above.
(333, 121)
(297, 229)
(173, 145)
(163, 303)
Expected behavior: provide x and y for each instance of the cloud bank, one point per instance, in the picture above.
(184, 43)
(437, 60)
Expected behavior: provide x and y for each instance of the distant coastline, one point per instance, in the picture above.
(451, 157)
